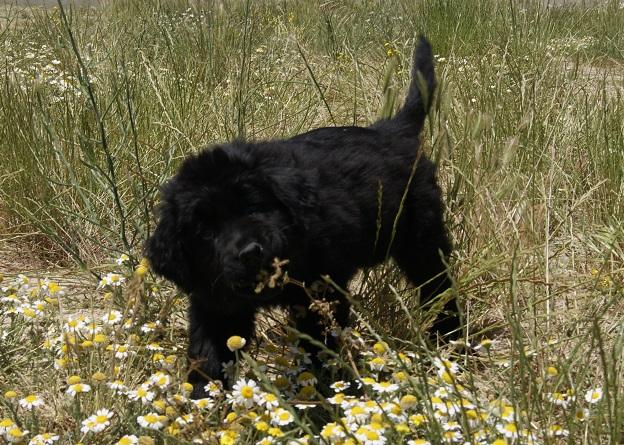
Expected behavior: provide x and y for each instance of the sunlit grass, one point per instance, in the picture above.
(97, 108)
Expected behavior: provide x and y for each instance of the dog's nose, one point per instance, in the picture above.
(251, 252)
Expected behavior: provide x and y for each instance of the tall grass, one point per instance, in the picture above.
(527, 128)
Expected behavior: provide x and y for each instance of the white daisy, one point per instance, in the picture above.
(184, 419)
(268, 400)
(43, 439)
(122, 259)
(112, 279)
(281, 417)
(357, 414)
(214, 388)
(153, 421)
(76, 388)
(142, 393)
(593, 395)
(340, 386)
(112, 318)
(383, 387)
(97, 422)
(206, 404)
(332, 432)
(160, 379)
(15, 434)
(128, 440)
(370, 436)
(31, 401)
(245, 393)
(306, 379)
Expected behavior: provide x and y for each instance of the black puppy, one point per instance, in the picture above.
(330, 201)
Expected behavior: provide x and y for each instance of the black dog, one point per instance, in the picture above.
(331, 201)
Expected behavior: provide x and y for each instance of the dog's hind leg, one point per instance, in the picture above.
(422, 257)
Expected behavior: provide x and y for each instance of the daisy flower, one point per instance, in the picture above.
(417, 419)
(185, 419)
(153, 421)
(369, 381)
(268, 400)
(557, 431)
(112, 279)
(356, 414)
(6, 424)
(235, 343)
(408, 401)
(122, 259)
(369, 435)
(31, 401)
(509, 430)
(76, 388)
(245, 393)
(451, 436)
(121, 351)
(142, 393)
(340, 386)
(43, 439)
(558, 399)
(593, 395)
(97, 422)
(281, 417)
(383, 387)
(160, 379)
(150, 327)
(445, 365)
(581, 414)
(15, 434)
(332, 432)
(377, 364)
(75, 324)
(128, 440)
(306, 379)
(112, 317)
(117, 386)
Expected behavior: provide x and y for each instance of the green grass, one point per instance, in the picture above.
(527, 128)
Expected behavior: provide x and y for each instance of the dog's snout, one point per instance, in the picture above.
(250, 252)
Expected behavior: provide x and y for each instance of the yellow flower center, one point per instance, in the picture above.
(357, 410)
(73, 379)
(151, 418)
(247, 392)
(511, 427)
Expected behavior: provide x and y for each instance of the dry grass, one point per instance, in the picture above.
(527, 128)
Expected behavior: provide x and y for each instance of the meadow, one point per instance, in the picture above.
(99, 105)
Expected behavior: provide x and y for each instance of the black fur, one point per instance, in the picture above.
(312, 199)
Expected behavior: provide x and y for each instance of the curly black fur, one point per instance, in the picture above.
(312, 199)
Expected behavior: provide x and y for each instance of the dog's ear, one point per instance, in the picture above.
(165, 252)
(295, 188)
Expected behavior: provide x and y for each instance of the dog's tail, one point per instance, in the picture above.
(412, 115)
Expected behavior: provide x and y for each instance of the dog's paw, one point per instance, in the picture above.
(199, 390)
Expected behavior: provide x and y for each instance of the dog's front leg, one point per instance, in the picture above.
(207, 350)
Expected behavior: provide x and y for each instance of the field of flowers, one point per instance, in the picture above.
(116, 374)
(99, 105)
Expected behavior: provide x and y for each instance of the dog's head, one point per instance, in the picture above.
(225, 216)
